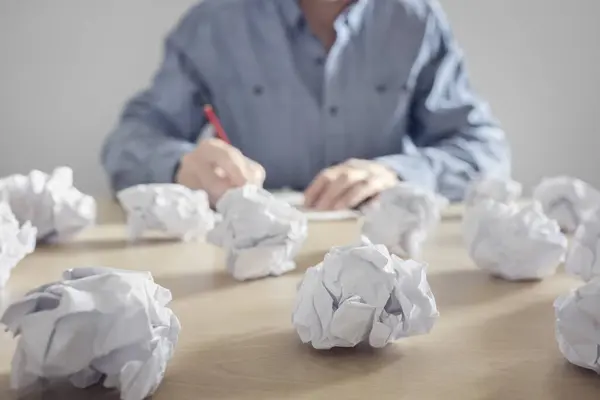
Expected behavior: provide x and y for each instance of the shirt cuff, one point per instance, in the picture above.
(414, 169)
(165, 162)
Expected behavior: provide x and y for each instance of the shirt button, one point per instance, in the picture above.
(302, 23)
(381, 88)
(320, 61)
(333, 111)
(258, 90)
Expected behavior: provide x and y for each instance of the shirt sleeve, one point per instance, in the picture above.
(453, 136)
(161, 124)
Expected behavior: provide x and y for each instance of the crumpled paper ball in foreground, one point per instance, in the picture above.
(97, 323)
(363, 294)
(514, 243)
(170, 208)
(261, 234)
(567, 200)
(583, 258)
(15, 242)
(498, 189)
(402, 218)
(578, 325)
(50, 202)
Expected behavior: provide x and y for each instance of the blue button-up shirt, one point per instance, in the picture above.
(393, 88)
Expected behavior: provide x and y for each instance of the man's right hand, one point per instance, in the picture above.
(215, 167)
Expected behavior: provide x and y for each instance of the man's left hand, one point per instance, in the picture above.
(349, 184)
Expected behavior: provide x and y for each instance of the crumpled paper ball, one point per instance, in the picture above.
(567, 200)
(514, 243)
(363, 294)
(96, 323)
(501, 190)
(15, 242)
(402, 219)
(261, 234)
(583, 258)
(50, 202)
(493, 188)
(578, 325)
(169, 208)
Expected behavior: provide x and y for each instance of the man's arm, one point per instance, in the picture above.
(161, 124)
(453, 137)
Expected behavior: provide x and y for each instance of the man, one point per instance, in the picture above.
(339, 98)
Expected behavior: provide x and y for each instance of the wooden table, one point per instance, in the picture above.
(494, 339)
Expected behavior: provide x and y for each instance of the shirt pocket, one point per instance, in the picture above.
(391, 103)
(260, 118)
(382, 117)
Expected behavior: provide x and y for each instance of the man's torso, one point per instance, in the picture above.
(263, 70)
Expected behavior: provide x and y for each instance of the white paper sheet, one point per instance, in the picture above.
(512, 242)
(583, 258)
(567, 200)
(50, 202)
(493, 188)
(96, 323)
(15, 242)
(169, 208)
(363, 294)
(578, 325)
(402, 219)
(296, 199)
(260, 233)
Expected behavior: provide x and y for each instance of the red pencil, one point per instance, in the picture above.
(216, 123)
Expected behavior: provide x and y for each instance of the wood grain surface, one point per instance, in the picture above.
(494, 339)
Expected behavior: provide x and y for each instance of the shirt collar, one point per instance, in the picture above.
(354, 14)
(294, 18)
(291, 13)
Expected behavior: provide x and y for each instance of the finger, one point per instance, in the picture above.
(370, 202)
(189, 178)
(318, 185)
(358, 194)
(228, 158)
(257, 173)
(188, 173)
(339, 187)
(215, 185)
(220, 172)
(355, 163)
(234, 169)
(252, 171)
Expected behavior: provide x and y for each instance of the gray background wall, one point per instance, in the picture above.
(67, 66)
